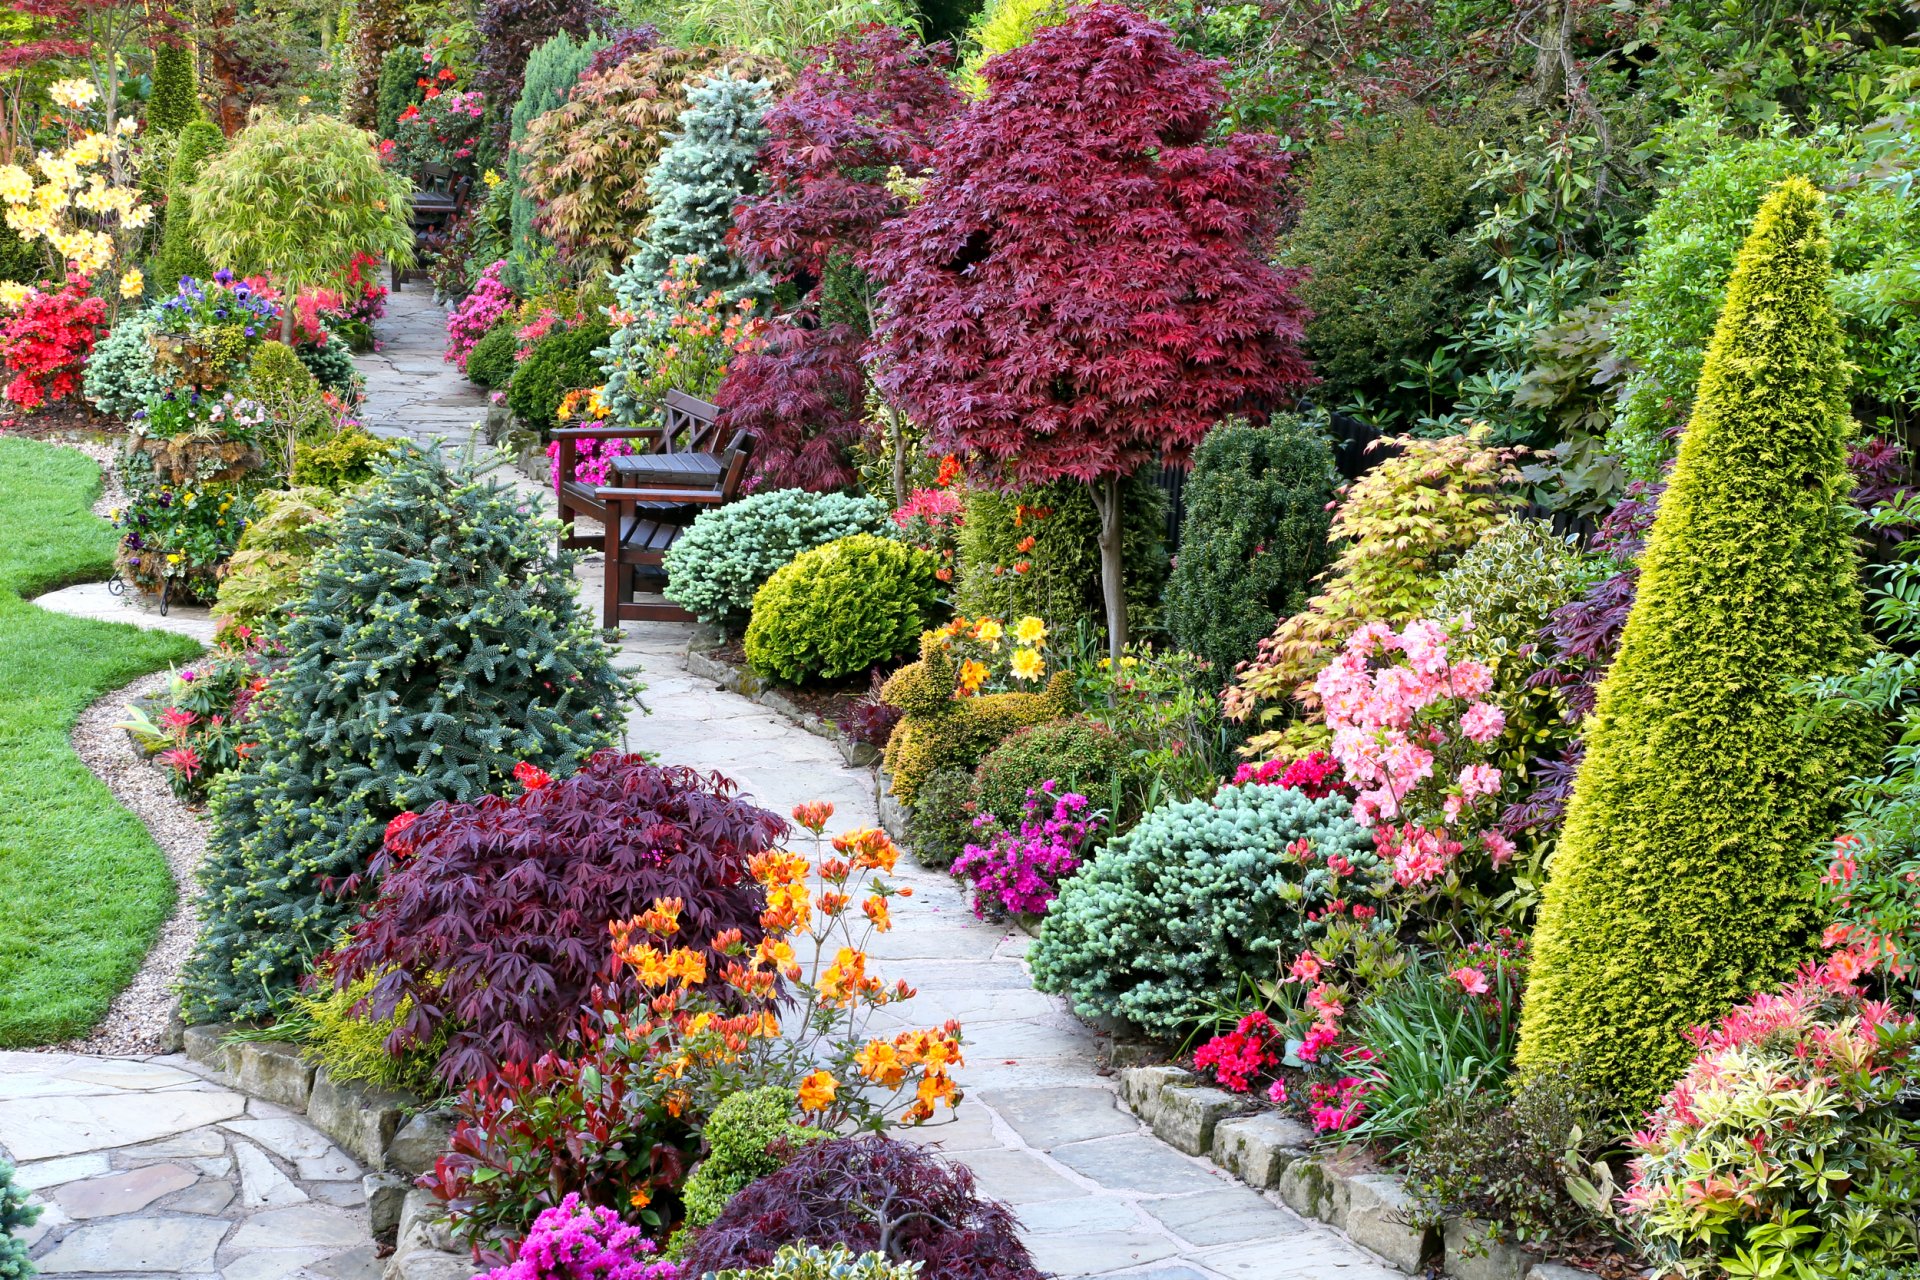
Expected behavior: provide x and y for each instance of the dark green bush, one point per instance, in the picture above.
(1382, 235)
(1081, 755)
(943, 813)
(1060, 582)
(179, 254)
(331, 362)
(490, 363)
(562, 361)
(840, 608)
(438, 642)
(400, 69)
(1254, 536)
(175, 101)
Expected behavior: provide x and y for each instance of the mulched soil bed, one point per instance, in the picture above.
(829, 702)
(68, 418)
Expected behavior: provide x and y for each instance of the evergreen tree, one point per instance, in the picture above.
(15, 1215)
(552, 71)
(179, 254)
(439, 643)
(1680, 883)
(175, 103)
(707, 166)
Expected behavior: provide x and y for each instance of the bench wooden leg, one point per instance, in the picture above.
(611, 571)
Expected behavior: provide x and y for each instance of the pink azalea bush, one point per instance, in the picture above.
(592, 459)
(1240, 1057)
(1018, 872)
(584, 1242)
(478, 312)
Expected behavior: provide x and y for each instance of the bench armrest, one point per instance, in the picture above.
(690, 497)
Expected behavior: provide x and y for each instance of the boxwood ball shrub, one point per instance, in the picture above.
(437, 643)
(1679, 887)
(1081, 755)
(562, 361)
(868, 1193)
(941, 731)
(490, 363)
(716, 567)
(1253, 537)
(493, 916)
(840, 608)
(944, 808)
(749, 1135)
(1166, 923)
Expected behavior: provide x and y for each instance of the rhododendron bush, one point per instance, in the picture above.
(44, 345)
(478, 312)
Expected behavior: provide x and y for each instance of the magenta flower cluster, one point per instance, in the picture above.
(592, 459)
(1019, 872)
(478, 312)
(584, 1242)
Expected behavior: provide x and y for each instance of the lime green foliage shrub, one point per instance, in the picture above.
(1060, 580)
(490, 363)
(353, 1045)
(180, 253)
(811, 1262)
(741, 1136)
(437, 643)
(1678, 888)
(15, 1215)
(175, 101)
(1167, 923)
(1081, 755)
(1382, 234)
(716, 567)
(342, 460)
(288, 528)
(562, 361)
(295, 406)
(1677, 280)
(840, 608)
(942, 731)
(942, 820)
(1002, 25)
(1253, 537)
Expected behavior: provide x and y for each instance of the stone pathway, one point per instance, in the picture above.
(153, 1167)
(411, 391)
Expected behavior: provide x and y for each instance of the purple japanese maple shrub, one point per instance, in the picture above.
(494, 916)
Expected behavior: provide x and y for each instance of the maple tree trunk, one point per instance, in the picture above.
(1106, 499)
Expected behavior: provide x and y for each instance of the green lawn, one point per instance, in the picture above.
(83, 888)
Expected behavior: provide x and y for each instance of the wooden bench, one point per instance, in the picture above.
(688, 425)
(641, 524)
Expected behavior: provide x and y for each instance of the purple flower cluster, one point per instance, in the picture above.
(1020, 872)
(576, 1242)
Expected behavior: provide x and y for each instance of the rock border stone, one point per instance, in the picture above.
(395, 1136)
(702, 663)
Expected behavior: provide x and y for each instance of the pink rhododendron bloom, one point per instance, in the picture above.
(1483, 722)
(1305, 968)
(1498, 847)
(1472, 981)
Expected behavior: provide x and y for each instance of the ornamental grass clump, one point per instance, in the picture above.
(716, 566)
(437, 643)
(1679, 886)
(841, 608)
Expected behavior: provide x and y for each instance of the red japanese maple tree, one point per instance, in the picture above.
(1081, 289)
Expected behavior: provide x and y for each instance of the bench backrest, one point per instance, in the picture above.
(690, 424)
(734, 466)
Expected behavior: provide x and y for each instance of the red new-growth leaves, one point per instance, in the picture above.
(511, 900)
(1080, 288)
(865, 104)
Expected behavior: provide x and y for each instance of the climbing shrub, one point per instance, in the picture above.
(749, 1136)
(406, 683)
(1253, 537)
(716, 566)
(840, 608)
(1167, 923)
(1679, 884)
(562, 361)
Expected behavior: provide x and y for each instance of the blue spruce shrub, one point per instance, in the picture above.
(1163, 925)
(15, 1215)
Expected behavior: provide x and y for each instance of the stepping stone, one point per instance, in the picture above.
(1048, 1118)
(118, 1193)
(262, 1186)
(137, 1244)
(270, 1264)
(1137, 1162)
(307, 1224)
(204, 1143)
(208, 1198)
(1089, 1253)
(1232, 1215)
(41, 1128)
(129, 1073)
(354, 1264)
(51, 1173)
(290, 1138)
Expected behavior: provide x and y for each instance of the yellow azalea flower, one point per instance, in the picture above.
(138, 216)
(817, 1090)
(73, 93)
(491, 178)
(132, 285)
(1027, 664)
(988, 631)
(13, 294)
(1030, 631)
(16, 184)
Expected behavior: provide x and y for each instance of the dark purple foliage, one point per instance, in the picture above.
(872, 718)
(627, 42)
(509, 900)
(510, 30)
(1882, 473)
(804, 394)
(870, 1194)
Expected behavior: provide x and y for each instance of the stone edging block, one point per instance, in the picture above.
(1273, 1152)
(389, 1132)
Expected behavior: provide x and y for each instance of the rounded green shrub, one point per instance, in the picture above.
(562, 361)
(741, 1136)
(437, 643)
(342, 460)
(942, 819)
(1167, 922)
(490, 363)
(331, 363)
(940, 731)
(716, 567)
(1680, 886)
(1081, 755)
(1253, 537)
(840, 608)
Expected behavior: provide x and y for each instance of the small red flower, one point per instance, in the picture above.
(531, 776)
(396, 830)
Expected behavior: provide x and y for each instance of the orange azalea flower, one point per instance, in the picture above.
(817, 1090)
(973, 674)
(876, 911)
(872, 848)
(663, 920)
(844, 977)
(813, 815)
(937, 1088)
(832, 904)
(880, 1063)
(834, 870)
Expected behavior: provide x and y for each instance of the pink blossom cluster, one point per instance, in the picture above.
(1020, 872)
(937, 507)
(1335, 1106)
(478, 312)
(1314, 776)
(592, 459)
(1237, 1058)
(584, 1242)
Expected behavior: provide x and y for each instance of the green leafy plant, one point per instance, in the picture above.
(1253, 537)
(811, 1262)
(552, 70)
(288, 528)
(1679, 884)
(174, 102)
(841, 608)
(748, 1136)
(716, 567)
(1162, 706)
(564, 360)
(344, 460)
(406, 682)
(341, 1034)
(1169, 922)
(944, 808)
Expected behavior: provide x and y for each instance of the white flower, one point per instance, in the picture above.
(73, 93)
